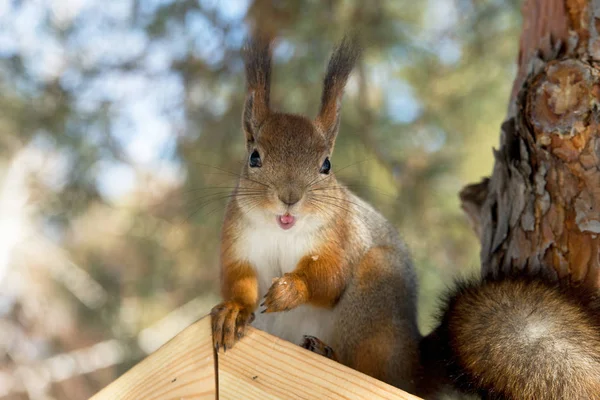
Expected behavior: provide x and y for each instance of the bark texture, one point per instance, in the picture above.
(539, 212)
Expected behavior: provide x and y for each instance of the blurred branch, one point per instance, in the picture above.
(40, 251)
(26, 378)
(365, 130)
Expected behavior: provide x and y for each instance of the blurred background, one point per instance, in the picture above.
(120, 134)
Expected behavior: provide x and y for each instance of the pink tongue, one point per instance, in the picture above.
(286, 219)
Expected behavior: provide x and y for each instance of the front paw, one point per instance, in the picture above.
(229, 320)
(285, 293)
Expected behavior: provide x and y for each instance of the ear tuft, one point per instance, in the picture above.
(341, 64)
(257, 60)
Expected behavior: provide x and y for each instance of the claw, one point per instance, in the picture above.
(229, 323)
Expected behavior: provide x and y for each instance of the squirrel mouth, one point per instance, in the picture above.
(286, 221)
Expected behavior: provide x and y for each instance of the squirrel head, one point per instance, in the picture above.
(287, 176)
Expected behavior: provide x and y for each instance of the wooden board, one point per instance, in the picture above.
(260, 366)
(183, 368)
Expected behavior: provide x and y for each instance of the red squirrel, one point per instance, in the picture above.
(318, 259)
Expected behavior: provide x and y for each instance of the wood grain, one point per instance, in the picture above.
(260, 366)
(184, 368)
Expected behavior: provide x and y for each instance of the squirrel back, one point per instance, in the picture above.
(517, 338)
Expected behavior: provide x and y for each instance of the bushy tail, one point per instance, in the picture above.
(518, 339)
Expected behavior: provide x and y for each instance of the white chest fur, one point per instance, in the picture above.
(274, 252)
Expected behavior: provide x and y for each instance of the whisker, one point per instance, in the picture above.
(374, 188)
(334, 214)
(212, 200)
(257, 203)
(224, 190)
(161, 202)
(233, 174)
(342, 199)
(322, 209)
(335, 172)
(230, 188)
(334, 201)
(199, 207)
(353, 164)
(318, 180)
(219, 207)
(340, 207)
(217, 195)
(331, 203)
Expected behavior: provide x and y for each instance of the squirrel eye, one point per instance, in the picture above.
(255, 161)
(326, 166)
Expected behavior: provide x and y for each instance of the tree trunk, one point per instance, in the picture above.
(539, 212)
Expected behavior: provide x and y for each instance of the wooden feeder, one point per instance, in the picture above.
(260, 366)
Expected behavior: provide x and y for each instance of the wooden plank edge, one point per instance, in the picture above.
(184, 367)
(187, 366)
(262, 366)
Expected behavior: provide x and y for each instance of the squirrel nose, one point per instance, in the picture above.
(290, 197)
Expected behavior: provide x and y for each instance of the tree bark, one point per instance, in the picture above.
(539, 212)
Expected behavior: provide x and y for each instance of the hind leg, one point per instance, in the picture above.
(370, 355)
(315, 345)
(376, 331)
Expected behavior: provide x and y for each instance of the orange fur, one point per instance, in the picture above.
(325, 275)
(319, 279)
(238, 278)
(239, 288)
(286, 293)
(238, 283)
(368, 270)
(374, 352)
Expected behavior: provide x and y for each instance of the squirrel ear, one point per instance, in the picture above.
(340, 66)
(257, 60)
